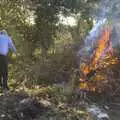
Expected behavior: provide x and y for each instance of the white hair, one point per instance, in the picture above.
(4, 32)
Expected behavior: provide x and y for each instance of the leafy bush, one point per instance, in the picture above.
(56, 67)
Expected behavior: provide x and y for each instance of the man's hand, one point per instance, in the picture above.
(14, 55)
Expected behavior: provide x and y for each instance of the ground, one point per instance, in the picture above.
(48, 103)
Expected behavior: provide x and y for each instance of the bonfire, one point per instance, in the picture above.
(102, 57)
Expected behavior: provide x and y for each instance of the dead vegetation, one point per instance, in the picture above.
(40, 106)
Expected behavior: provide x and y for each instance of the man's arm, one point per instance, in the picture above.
(12, 46)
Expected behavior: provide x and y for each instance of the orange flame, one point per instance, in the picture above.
(103, 43)
(104, 47)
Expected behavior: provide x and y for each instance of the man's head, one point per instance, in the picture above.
(3, 32)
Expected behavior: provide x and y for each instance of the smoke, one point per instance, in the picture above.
(109, 9)
(106, 14)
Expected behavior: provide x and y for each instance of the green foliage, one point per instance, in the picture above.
(45, 24)
(55, 68)
(45, 53)
(77, 32)
(47, 11)
(11, 14)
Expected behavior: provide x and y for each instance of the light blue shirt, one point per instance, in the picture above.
(6, 43)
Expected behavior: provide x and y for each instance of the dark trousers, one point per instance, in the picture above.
(3, 71)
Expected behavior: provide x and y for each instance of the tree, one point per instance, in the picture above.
(13, 18)
(46, 17)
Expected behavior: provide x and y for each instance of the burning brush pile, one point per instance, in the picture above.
(96, 70)
(100, 56)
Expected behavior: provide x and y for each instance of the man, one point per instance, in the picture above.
(5, 44)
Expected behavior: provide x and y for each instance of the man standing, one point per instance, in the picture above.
(5, 44)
